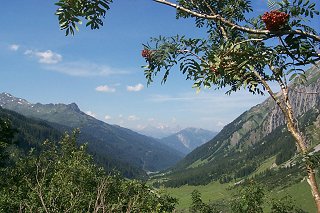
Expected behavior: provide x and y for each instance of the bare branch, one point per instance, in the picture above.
(39, 191)
(249, 40)
(217, 17)
(269, 90)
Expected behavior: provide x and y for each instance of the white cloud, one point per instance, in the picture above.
(85, 69)
(218, 98)
(135, 88)
(133, 118)
(220, 124)
(92, 114)
(14, 47)
(45, 57)
(105, 88)
(107, 117)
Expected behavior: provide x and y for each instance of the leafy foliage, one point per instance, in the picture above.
(70, 12)
(63, 178)
(232, 57)
(285, 205)
(198, 206)
(6, 139)
(250, 199)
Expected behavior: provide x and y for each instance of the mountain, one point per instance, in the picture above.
(188, 139)
(118, 143)
(255, 141)
(159, 131)
(31, 133)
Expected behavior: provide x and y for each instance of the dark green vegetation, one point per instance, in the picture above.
(31, 133)
(61, 177)
(112, 146)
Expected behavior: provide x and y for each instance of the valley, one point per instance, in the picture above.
(162, 106)
(255, 146)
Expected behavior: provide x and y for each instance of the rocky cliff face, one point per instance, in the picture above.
(261, 127)
(264, 118)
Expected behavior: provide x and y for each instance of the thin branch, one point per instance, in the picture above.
(249, 40)
(39, 192)
(195, 55)
(217, 17)
(288, 52)
(269, 90)
(223, 31)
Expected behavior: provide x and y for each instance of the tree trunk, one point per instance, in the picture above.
(292, 126)
(301, 143)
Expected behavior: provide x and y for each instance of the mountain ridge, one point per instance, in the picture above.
(255, 136)
(188, 139)
(121, 143)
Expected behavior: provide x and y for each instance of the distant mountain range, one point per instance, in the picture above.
(257, 136)
(188, 139)
(159, 131)
(104, 140)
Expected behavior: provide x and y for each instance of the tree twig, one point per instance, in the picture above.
(217, 17)
(195, 55)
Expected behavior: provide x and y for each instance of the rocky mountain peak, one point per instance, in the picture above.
(74, 107)
(7, 98)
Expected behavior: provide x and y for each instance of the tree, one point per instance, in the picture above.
(238, 52)
(61, 177)
(7, 133)
(250, 199)
(285, 205)
(198, 205)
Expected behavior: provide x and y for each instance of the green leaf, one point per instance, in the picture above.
(306, 3)
(293, 76)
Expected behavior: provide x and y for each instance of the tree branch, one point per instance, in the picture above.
(269, 90)
(195, 55)
(39, 191)
(217, 17)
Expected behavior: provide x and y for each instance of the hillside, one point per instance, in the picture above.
(188, 139)
(104, 140)
(255, 137)
(32, 132)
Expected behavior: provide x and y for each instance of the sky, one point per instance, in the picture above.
(101, 70)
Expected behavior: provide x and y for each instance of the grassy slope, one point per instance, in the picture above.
(300, 192)
(211, 192)
(215, 191)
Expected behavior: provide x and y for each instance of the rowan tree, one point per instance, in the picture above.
(241, 50)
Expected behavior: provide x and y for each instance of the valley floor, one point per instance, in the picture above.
(221, 194)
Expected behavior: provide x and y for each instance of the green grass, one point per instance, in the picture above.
(198, 163)
(300, 192)
(211, 192)
(267, 164)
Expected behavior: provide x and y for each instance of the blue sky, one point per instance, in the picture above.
(101, 70)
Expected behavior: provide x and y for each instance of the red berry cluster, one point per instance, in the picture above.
(275, 20)
(213, 69)
(146, 53)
